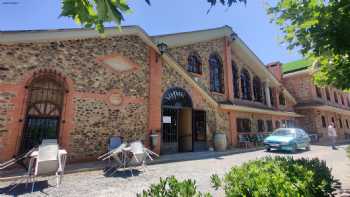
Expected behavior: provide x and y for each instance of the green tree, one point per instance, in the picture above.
(94, 13)
(321, 29)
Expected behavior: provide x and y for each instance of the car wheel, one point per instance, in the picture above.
(268, 149)
(294, 148)
(308, 147)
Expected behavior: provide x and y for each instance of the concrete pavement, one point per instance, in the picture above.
(95, 183)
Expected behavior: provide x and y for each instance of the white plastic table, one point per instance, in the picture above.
(62, 153)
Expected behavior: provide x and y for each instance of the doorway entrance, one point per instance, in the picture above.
(183, 129)
(43, 115)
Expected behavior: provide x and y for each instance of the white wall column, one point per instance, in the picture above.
(267, 94)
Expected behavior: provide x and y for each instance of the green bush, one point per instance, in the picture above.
(279, 176)
(171, 187)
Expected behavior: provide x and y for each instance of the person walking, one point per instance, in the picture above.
(332, 134)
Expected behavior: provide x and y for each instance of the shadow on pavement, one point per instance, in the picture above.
(24, 188)
(121, 173)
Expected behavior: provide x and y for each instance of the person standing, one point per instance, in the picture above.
(332, 134)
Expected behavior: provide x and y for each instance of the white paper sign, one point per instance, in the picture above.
(166, 119)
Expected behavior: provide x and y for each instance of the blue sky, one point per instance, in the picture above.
(249, 21)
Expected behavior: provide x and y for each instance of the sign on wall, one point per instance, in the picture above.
(166, 119)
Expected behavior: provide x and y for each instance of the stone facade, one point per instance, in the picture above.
(318, 111)
(114, 85)
(300, 87)
(95, 119)
(204, 50)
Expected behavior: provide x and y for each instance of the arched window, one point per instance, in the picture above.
(335, 97)
(176, 97)
(235, 80)
(272, 96)
(318, 92)
(216, 74)
(324, 123)
(342, 99)
(44, 108)
(257, 89)
(327, 94)
(245, 85)
(194, 63)
(282, 99)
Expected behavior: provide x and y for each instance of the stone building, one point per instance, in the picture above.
(81, 88)
(318, 105)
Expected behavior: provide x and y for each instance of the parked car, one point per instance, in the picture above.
(289, 139)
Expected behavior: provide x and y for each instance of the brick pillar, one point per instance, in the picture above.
(233, 128)
(277, 98)
(154, 112)
(228, 70)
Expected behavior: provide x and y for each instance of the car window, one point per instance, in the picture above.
(298, 133)
(302, 132)
(284, 132)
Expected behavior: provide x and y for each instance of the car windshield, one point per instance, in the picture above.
(284, 132)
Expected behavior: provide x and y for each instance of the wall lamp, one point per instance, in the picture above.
(162, 47)
(234, 36)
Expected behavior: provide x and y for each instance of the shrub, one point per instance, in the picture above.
(171, 187)
(279, 176)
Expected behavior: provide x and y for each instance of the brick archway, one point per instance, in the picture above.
(66, 122)
(11, 139)
(44, 107)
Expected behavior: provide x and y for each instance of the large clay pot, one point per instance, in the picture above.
(154, 139)
(220, 142)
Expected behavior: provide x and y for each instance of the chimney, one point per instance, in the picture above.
(276, 69)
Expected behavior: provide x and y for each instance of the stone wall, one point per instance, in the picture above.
(216, 120)
(300, 87)
(92, 83)
(204, 50)
(312, 122)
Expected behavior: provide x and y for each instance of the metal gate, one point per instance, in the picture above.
(44, 108)
(170, 130)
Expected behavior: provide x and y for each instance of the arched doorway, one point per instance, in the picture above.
(43, 113)
(176, 121)
(183, 128)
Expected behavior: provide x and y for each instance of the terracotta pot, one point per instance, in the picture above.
(154, 139)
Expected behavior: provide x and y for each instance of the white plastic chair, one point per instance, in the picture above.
(48, 162)
(139, 155)
(114, 156)
(114, 142)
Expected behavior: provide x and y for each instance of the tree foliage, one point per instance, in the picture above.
(94, 13)
(171, 187)
(278, 176)
(321, 28)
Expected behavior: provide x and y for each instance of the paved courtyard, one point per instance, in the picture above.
(94, 183)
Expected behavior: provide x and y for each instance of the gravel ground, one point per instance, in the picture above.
(95, 183)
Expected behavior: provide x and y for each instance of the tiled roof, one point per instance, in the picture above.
(296, 65)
